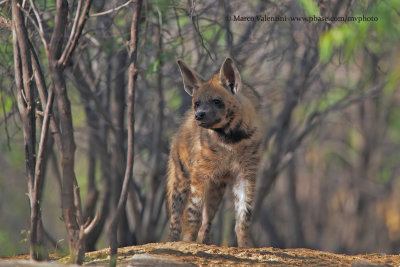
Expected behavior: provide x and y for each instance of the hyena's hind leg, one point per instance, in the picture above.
(243, 191)
(214, 197)
(177, 200)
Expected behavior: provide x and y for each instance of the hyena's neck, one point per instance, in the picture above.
(238, 128)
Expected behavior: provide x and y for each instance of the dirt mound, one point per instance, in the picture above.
(193, 254)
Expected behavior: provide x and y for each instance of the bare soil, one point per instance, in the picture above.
(195, 254)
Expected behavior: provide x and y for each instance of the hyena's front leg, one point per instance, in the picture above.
(192, 216)
(177, 201)
(212, 202)
(243, 191)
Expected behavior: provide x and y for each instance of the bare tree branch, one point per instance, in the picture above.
(195, 22)
(40, 25)
(75, 33)
(115, 9)
(39, 169)
(41, 87)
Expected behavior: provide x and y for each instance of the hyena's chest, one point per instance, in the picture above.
(223, 162)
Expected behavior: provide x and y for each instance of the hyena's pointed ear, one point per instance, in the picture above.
(191, 80)
(230, 76)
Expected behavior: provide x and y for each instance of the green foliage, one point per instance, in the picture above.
(173, 100)
(372, 34)
(7, 248)
(310, 7)
(25, 233)
(154, 66)
(394, 122)
(6, 51)
(331, 98)
(355, 141)
(387, 169)
(6, 65)
(183, 20)
(388, 25)
(6, 103)
(210, 31)
(16, 157)
(335, 37)
(320, 105)
(392, 80)
(4, 10)
(163, 6)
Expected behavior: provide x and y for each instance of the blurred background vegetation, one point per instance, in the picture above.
(331, 104)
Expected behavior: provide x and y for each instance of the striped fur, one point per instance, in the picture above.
(218, 143)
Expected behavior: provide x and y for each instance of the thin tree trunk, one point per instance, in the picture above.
(27, 109)
(92, 120)
(131, 131)
(71, 212)
(229, 37)
(118, 158)
(70, 197)
(158, 128)
(94, 235)
(297, 229)
(93, 152)
(97, 150)
(67, 154)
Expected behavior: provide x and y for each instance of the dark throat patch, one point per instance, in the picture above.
(233, 135)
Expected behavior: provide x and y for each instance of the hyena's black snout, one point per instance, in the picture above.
(200, 115)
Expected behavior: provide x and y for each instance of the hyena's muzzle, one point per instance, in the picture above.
(208, 113)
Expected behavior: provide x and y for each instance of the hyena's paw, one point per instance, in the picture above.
(190, 231)
(243, 239)
(174, 235)
(189, 236)
(245, 243)
(204, 234)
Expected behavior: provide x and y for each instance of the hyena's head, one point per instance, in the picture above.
(213, 101)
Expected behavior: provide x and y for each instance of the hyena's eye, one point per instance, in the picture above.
(217, 102)
(196, 104)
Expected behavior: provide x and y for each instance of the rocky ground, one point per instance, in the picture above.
(194, 254)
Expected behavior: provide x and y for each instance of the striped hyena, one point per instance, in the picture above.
(219, 142)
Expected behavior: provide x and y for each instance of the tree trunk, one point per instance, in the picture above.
(70, 210)
(27, 109)
(296, 221)
(148, 219)
(118, 158)
(70, 197)
(131, 131)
